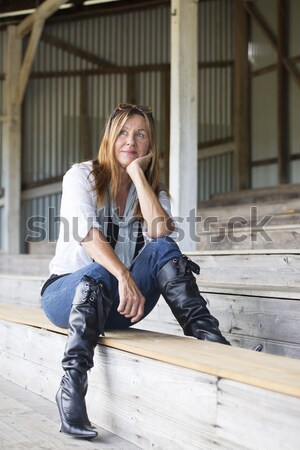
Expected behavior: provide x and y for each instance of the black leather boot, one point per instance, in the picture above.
(178, 286)
(86, 322)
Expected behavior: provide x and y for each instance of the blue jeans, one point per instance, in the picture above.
(58, 296)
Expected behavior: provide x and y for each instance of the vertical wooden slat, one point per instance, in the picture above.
(282, 87)
(242, 98)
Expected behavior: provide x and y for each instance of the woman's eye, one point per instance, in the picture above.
(122, 133)
(141, 135)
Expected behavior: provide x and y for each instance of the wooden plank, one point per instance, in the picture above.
(242, 408)
(266, 371)
(157, 405)
(263, 318)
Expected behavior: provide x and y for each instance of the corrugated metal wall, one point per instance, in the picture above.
(62, 84)
(215, 173)
(263, 100)
(294, 92)
(264, 116)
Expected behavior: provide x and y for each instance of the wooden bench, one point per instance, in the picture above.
(161, 391)
(255, 295)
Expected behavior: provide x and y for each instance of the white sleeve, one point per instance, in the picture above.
(164, 200)
(79, 203)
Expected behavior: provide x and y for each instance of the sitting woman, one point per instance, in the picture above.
(114, 256)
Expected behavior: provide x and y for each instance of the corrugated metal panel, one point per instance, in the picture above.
(215, 31)
(215, 83)
(215, 176)
(264, 176)
(264, 116)
(215, 104)
(40, 219)
(52, 105)
(294, 109)
(215, 78)
(294, 92)
(295, 171)
(294, 30)
(261, 53)
(52, 108)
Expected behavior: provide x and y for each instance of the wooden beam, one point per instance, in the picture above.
(282, 93)
(12, 147)
(241, 99)
(73, 49)
(29, 58)
(293, 71)
(45, 10)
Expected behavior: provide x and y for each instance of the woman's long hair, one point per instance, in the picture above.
(106, 168)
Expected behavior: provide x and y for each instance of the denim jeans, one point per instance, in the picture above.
(58, 296)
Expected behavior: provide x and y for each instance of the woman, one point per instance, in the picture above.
(114, 256)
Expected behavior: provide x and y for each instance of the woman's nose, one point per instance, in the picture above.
(130, 139)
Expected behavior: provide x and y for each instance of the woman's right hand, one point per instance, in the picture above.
(131, 299)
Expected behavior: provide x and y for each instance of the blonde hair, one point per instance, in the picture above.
(106, 169)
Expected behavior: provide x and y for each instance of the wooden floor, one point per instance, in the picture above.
(30, 421)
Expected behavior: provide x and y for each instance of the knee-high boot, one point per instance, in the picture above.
(88, 314)
(178, 286)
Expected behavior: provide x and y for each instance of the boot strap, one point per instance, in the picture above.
(192, 265)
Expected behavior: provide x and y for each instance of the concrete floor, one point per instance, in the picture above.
(30, 421)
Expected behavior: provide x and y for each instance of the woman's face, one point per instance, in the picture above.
(133, 140)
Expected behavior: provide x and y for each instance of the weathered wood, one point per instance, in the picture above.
(241, 99)
(159, 405)
(28, 59)
(183, 125)
(11, 155)
(202, 356)
(46, 9)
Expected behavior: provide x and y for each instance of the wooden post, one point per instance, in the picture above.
(282, 100)
(241, 99)
(12, 146)
(17, 75)
(184, 113)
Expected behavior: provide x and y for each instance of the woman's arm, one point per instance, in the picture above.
(131, 299)
(159, 223)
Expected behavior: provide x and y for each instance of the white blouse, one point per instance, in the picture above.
(80, 212)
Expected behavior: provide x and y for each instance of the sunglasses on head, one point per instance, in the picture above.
(140, 108)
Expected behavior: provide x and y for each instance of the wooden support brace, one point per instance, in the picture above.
(29, 58)
(44, 11)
